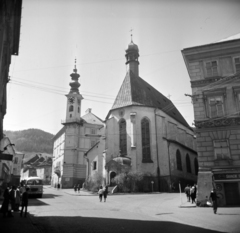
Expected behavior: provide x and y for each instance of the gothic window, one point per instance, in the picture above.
(188, 163)
(71, 108)
(179, 160)
(146, 152)
(123, 137)
(196, 166)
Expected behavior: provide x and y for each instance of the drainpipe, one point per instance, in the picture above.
(158, 167)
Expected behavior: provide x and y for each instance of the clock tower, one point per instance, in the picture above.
(74, 98)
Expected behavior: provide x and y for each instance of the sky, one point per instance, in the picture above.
(97, 33)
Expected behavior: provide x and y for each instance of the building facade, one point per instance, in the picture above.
(77, 136)
(146, 133)
(10, 20)
(214, 70)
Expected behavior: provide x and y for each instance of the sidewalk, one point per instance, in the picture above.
(81, 193)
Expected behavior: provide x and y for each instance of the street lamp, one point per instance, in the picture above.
(152, 185)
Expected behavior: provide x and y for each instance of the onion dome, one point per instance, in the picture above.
(75, 84)
(132, 46)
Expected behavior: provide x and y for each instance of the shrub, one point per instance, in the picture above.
(131, 181)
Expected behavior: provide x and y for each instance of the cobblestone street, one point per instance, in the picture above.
(66, 211)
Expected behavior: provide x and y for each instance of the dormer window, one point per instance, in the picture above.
(237, 64)
(211, 68)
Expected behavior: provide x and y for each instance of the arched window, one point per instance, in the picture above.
(188, 163)
(146, 152)
(122, 137)
(71, 108)
(78, 109)
(196, 166)
(179, 161)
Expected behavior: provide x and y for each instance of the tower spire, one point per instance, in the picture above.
(75, 84)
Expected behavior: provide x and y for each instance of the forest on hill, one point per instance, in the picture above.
(31, 140)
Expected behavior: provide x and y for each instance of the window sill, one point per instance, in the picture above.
(147, 161)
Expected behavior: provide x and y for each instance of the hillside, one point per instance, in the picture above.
(31, 140)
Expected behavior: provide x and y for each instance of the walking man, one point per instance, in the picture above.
(24, 202)
(214, 197)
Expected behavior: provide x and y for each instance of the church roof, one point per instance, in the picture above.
(136, 91)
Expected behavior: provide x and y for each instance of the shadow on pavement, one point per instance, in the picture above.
(36, 202)
(50, 196)
(228, 214)
(99, 225)
(187, 206)
(163, 213)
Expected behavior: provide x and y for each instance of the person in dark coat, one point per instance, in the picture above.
(105, 193)
(78, 188)
(13, 197)
(213, 196)
(6, 203)
(24, 202)
(75, 188)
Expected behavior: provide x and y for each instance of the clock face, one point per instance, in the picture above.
(71, 100)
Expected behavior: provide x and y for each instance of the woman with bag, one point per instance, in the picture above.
(100, 193)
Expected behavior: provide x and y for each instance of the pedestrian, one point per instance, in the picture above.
(6, 205)
(105, 192)
(24, 202)
(192, 193)
(58, 186)
(12, 194)
(195, 192)
(75, 188)
(100, 193)
(18, 199)
(187, 192)
(213, 196)
(78, 188)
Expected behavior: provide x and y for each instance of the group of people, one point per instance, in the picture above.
(191, 193)
(77, 188)
(103, 192)
(14, 197)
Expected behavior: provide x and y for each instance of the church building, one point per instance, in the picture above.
(146, 133)
(77, 136)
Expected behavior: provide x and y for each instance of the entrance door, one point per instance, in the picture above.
(112, 182)
(232, 193)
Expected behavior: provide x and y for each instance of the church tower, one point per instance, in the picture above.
(132, 54)
(74, 98)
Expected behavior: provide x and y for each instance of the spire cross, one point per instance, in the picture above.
(75, 68)
(131, 34)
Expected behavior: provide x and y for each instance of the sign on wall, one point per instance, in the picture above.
(227, 176)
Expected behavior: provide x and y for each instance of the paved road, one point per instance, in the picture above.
(62, 211)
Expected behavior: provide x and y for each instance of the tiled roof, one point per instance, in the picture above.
(135, 91)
